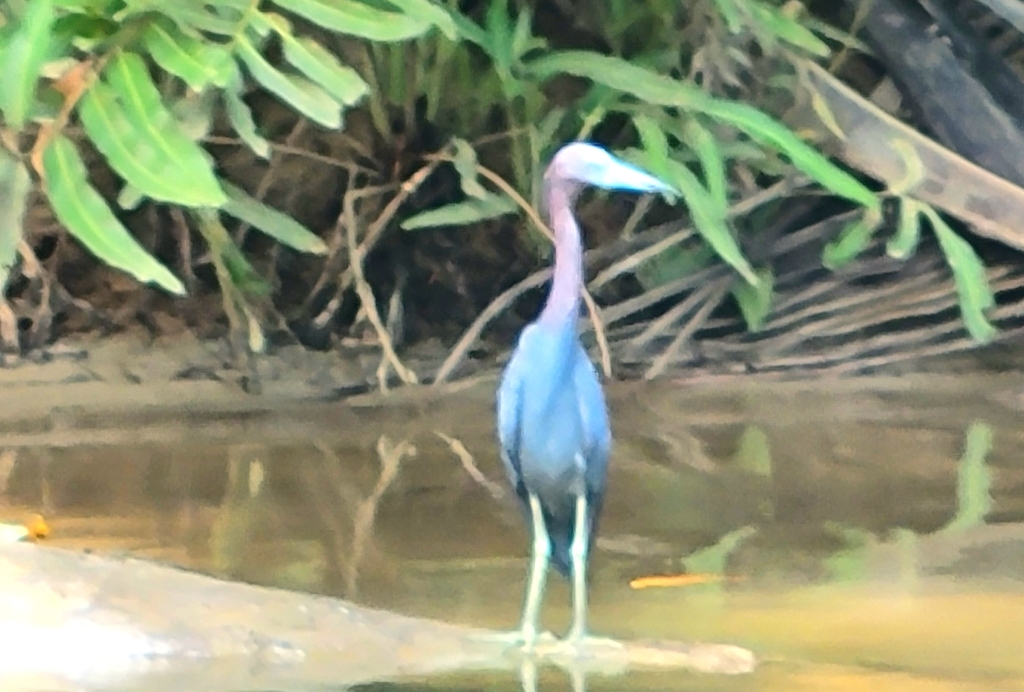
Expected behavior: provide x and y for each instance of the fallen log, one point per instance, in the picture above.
(75, 621)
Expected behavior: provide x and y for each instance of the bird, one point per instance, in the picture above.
(553, 425)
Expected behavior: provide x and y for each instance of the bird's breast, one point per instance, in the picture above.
(552, 445)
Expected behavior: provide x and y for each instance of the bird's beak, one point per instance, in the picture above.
(619, 175)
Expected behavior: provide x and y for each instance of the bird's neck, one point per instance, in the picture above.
(563, 304)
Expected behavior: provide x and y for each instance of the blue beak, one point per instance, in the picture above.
(619, 175)
(593, 165)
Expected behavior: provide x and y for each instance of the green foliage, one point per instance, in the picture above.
(480, 205)
(670, 139)
(87, 216)
(853, 239)
(23, 51)
(755, 300)
(138, 75)
(275, 224)
(969, 275)
(197, 63)
(470, 211)
(145, 79)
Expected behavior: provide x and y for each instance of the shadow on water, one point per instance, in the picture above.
(851, 539)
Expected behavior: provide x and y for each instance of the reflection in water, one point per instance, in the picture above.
(362, 525)
(528, 677)
(850, 554)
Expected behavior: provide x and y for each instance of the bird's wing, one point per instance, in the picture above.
(593, 417)
(510, 409)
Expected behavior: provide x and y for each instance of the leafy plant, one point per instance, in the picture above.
(136, 74)
(142, 82)
(524, 65)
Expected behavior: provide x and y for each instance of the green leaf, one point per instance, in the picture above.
(470, 30)
(130, 197)
(968, 275)
(199, 20)
(356, 19)
(22, 58)
(198, 63)
(500, 35)
(542, 134)
(308, 98)
(756, 301)
(129, 152)
(143, 140)
(656, 89)
(15, 186)
(771, 133)
(432, 12)
(788, 30)
(241, 117)
(908, 233)
(655, 144)
(320, 65)
(462, 213)
(709, 220)
(711, 160)
(854, 237)
(277, 225)
(243, 274)
(523, 40)
(465, 164)
(88, 218)
(621, 75)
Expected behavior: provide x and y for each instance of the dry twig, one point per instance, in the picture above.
(368, 300)
(373, 233)
(714, 294)
(357, 254)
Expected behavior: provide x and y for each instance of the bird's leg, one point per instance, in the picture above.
(528, 675)
(578, 553)
(538, 574)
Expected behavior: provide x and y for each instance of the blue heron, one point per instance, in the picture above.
(552, 418)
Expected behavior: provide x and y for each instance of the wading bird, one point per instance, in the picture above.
(552, 418)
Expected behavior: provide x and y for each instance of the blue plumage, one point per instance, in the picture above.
(551, 412)
(552, 418)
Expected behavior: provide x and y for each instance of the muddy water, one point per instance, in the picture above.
(855, 537)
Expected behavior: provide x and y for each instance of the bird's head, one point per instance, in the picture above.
(580, 163)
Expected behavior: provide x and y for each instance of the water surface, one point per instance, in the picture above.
(854, 538)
